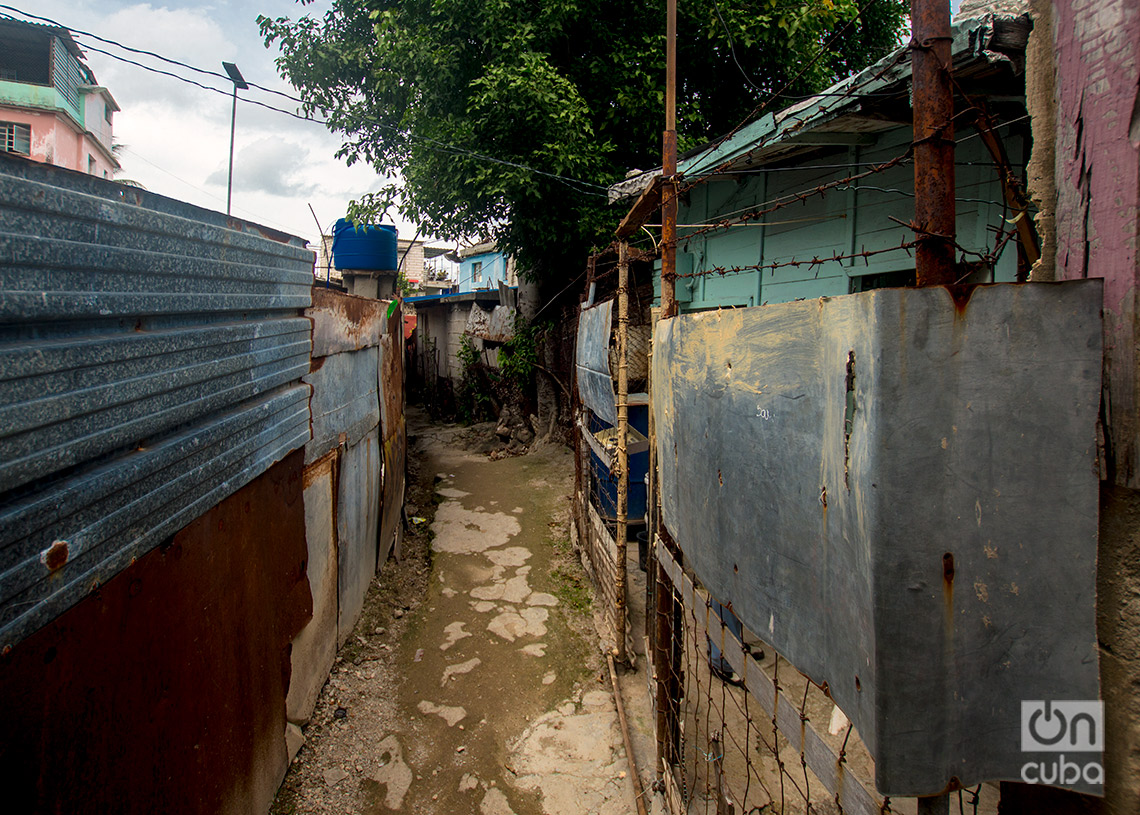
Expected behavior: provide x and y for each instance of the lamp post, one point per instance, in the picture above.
(239, 82)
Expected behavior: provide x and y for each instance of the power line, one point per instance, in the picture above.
(584, 187)
(732, 49)
(259, 217)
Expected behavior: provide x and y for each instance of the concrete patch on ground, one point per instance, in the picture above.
(451, 671)
(468, 782)
(514, 590)
(549, 677)
(537, 649)
(574, 760)
(451, 715)
(455, 633)
(451, 492)
(463, 531)
(394, 774)
(510, 556)
(541, 598)
(483, 606)
(511, 625)
(495, 803)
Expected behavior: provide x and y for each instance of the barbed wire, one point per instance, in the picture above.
(837, 257)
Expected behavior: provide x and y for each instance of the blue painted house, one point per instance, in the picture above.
(751, 206)
(483, 267)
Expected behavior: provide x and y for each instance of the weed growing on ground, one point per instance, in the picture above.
(570, 589)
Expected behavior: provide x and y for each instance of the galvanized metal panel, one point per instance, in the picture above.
(108, 515)
(898, 491)
(150, 362)
(70, 400)
(592, 361)
(345, 400)
(357, 520)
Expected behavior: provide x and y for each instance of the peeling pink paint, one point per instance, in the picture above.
(1098, 193)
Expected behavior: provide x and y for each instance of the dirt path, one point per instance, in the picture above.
(473, 682)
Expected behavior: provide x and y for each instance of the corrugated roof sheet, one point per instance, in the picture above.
(150, 363)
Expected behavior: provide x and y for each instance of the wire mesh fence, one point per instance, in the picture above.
(741, 731)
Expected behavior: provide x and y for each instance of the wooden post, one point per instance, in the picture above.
(622, 463)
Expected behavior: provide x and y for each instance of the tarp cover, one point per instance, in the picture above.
(898, 491)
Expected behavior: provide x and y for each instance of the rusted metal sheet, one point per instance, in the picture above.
(150, 358)
(502, 326)
(933, 103)
(164, 691)
(496, 325)
(592, 362)
(395, 439)
(897, 490)
(342, 322)
(314, 649)
(357, 521)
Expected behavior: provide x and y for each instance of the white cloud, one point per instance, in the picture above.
(177, 135)
(271, 165)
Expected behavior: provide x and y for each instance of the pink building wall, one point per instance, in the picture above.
(56, 141)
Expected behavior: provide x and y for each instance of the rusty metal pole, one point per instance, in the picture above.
(663, 645)
(669, 170)
(934, 206)
(622, 450)
(934, 211)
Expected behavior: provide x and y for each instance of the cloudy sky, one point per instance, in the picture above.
(177, 135)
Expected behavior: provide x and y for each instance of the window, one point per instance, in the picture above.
(90, 165)
(477, 271)
(107, 112)
(16, 138)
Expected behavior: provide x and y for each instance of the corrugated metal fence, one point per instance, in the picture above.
(150, 362)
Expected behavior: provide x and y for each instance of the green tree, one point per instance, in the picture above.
(427, 89)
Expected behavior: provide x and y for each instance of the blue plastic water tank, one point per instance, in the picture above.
(371, 247)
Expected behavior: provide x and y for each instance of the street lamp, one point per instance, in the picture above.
(239, 82)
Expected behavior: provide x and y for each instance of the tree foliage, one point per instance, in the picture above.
(428, 89)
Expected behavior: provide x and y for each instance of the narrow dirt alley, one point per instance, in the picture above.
(473, 682)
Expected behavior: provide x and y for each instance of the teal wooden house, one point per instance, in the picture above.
(751, 208)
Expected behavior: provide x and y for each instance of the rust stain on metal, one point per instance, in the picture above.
(961, 295)
(55, 556)
(320, 468)
(948, 592)
(343, 322)
(934, 208)
(180, 662)
(393, 433)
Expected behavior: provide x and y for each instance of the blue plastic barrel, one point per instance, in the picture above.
(371, 247)
(604, 485)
